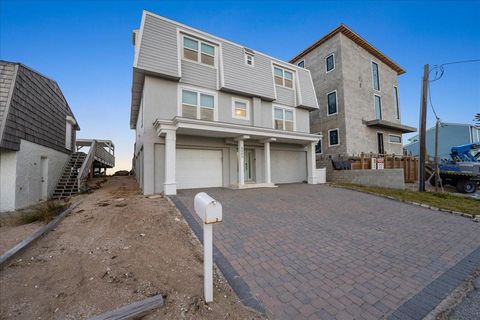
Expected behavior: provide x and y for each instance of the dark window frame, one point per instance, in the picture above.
(375, 76)
(328, 103)
(330, 137)
(333, 63)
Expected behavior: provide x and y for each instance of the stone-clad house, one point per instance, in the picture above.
(208, 112)
(37, 135)
(358, 95)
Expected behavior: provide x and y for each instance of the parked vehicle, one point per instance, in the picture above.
(463, 169)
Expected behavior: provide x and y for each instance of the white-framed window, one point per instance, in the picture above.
(378, 106)
(330, 62)
(198, 51)
(240, 108)
(283, 77)
(198, 105)
(333, 137)
(283, 118)
(68, 135)
(318, 147)
(396, 101)
(301, 64)
(249, 59)
(392, 138)
(332, 107)
(375, 76)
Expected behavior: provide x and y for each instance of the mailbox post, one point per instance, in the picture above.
(210, 211)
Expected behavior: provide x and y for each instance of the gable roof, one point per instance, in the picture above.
(349, 33)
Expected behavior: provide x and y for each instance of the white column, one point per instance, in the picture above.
(311, 163)
(170, 185)
(268, 171)
(241, 163)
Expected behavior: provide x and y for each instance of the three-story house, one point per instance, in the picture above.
(358, 96)
(208, 112)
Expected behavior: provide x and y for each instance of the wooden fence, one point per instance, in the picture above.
(391, 161)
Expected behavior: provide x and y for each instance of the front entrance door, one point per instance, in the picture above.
(249, 165)
(381, 149)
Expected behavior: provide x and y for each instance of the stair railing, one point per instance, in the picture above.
(87, 164)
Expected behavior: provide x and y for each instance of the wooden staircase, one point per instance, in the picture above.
(68, 183)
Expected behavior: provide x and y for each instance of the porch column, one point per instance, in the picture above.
(268, 168)
(311, 163)
(241, 159)
(170, 185)
(241, 163)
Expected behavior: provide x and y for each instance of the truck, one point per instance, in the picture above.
(463, 169)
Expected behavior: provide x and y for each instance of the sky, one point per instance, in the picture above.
(86, 47)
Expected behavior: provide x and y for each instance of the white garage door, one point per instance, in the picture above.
(199, 168)
(288, 166)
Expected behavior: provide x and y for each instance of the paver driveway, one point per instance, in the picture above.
(313, 251)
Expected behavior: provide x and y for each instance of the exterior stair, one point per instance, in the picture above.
(67, 185)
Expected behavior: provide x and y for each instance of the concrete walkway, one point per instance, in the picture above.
(315, 252)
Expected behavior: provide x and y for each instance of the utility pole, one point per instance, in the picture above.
(423, 129)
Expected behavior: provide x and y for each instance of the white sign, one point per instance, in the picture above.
(380, 163)
(210, 211)
(373, 163)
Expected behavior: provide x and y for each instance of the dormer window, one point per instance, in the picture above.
(249, 57)
(198, 51)
(283, 77)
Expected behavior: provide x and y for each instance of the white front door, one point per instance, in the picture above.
(44, 178)
(198, 168)
(249, 165)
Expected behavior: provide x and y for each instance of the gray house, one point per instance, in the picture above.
(37, 135)
(449, 135)
(358, 95)
(208, 112)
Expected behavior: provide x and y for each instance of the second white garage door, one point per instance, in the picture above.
(288, 166)
(199, 168)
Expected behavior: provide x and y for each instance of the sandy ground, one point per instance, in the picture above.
(10, 235)
(117, 247)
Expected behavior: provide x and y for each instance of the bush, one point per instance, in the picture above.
(44, 212)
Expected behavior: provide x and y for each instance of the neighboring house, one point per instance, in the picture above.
(211, 113)
(358, 97)
(37, 136)
(449, 135)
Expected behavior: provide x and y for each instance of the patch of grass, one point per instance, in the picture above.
(44, 212)
(446, 201)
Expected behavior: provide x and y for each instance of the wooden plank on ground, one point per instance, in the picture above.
(133, 311)
(19, 247)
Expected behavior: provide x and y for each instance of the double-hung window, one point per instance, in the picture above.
(197, 105)
(283, 118)
(283, 77)
(375, 76)
(240, 109)
(318, 147)
(330, 63)
(378, 107)
(198, 51)
(332, 103)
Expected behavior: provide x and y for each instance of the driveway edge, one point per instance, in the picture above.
(424, 302)
(240, 287)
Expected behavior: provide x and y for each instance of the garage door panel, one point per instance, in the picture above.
(288, 166)
(198, 168)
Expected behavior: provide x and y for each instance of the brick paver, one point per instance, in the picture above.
(315, 252)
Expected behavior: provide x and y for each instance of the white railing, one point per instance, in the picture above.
(87, 165)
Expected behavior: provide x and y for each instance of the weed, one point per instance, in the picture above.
(44, 212)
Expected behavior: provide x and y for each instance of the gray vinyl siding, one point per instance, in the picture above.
(37, 113)
(285, 96)
(158, 47)
(308, 98)
(199, 75)
(239, 77)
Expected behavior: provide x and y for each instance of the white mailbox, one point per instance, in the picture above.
(209, 209)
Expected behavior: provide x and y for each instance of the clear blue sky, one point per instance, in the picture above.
(86, 47)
